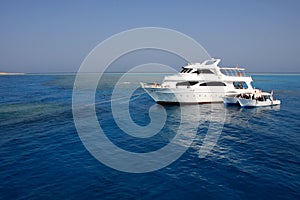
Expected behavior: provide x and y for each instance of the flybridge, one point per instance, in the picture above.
(206, 67)
(211, 67)
(206, 64)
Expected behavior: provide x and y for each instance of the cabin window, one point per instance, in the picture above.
(187, 83)
(186, 70)
(189, 70)
(233, 72)
(240, 85)
(213, 84)
(204, 71)
(183, 70)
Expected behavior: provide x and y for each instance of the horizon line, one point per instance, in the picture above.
(41, 73)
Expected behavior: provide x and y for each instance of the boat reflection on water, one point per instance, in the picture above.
(216, 123)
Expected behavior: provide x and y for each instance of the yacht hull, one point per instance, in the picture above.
(165, 95)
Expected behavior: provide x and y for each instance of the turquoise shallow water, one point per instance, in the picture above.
(257, 155)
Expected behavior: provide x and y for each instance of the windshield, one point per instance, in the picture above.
(233, 72)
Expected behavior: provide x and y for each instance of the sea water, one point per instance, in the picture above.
(256, 155)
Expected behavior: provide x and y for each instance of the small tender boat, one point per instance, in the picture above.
(257, 99)
(230, 99)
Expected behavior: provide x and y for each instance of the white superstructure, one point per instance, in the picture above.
(200, 83)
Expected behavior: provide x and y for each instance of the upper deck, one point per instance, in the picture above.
(211, 67)
(209, 70)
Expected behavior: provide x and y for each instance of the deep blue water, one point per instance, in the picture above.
(257, 155)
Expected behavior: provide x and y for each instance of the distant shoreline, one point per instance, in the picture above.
(9, 73)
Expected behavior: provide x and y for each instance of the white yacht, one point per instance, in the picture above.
(204, 82)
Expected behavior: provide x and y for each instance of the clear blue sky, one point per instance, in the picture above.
(55, 36)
